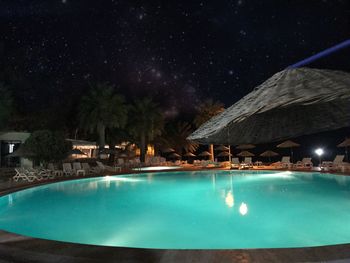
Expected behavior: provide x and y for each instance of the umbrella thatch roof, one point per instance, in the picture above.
(291, 103)
(245, 146)
(269, 153)
(288, 144)
(246, 154)
(224, 154)
(345, 143)
(189, 154)
(205, 153)
(222, 148)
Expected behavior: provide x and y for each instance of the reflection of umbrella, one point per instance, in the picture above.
(345, 144)
(269, 154)
(289, 144)
(293, 102)
(222, 148)
(168, 150)
(20, 152)
(245, 146)
(245, 154)
(76, 152)
(174, 156)
(189, 154)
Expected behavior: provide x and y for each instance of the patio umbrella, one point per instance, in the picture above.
(224, 154)
(189, 154)
(174, 156)
(245, 154)
(293, 102)
(269, 154)
(245, 146)
(168, 150)
(289, 144)
(222, 148)
(345, 144)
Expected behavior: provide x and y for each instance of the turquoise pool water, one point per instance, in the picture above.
(179, 210)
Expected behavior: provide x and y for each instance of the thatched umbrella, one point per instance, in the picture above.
(168, 150)
(245, 146)
(345, 144)
(289, 144)
(174, 156)
(224, 154)
(269, 154)
(291, 103)
(245, 154)
(189, 154)
(205, 154)
(222, 148)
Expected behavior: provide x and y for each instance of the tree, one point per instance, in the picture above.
(205, 111)
(176, 137)
(146, 122)
(47, 146)
(6, 105)
(101, 109)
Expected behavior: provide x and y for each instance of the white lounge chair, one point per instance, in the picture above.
(67, 169)
(78, 170)
(337, 162)
(23, 174)
(108, 168)
(56, 172)
(247, 163)
(305, 163)
(235, 163)
(90, 170)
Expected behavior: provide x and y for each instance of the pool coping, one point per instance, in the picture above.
(18, 248)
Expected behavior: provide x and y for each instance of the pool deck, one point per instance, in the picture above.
(17, 248)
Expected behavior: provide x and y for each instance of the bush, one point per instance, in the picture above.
(47, 146)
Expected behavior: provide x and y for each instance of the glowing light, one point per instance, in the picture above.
(243, 209)
(319, 151)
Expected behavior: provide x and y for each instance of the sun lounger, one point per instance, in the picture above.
(108, 168)
(23, 174)
(90, 170)
(235, 163)
(247, 163)
(67, 169)
(335, 165)
(305, 163)
(78, 170)
(56, 172)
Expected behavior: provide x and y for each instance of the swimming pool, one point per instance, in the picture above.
(187, 210)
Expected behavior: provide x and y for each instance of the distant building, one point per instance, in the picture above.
(9, 143)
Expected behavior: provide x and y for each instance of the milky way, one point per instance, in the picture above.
(178, 51)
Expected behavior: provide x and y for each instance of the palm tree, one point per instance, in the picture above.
(146, 122)
(205, 111)
(101, 109)
(176, 137)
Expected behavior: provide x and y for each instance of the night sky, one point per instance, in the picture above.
(178, 51)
